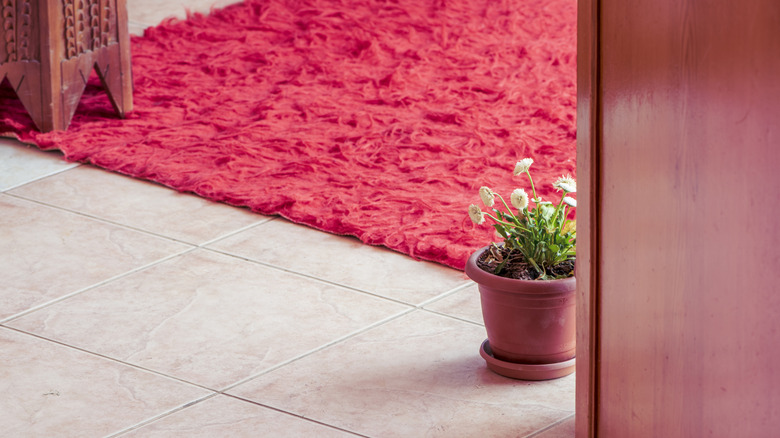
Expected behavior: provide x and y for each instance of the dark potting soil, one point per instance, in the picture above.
(516, 266)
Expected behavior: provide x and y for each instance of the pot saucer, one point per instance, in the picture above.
(525, 371)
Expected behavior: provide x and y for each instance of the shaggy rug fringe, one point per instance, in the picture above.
(377, 119)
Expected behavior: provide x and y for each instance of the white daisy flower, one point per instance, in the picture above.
(571, 202)
(488, 198)
(523, 166)
(519, 199)
(476, 215)
(566, 183)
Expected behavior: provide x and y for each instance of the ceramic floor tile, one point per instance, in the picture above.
(343, 260)
(139, 204)
(50, 390)
(564, 429)
(20, 164)
(136, 28)
(207, 318)
(419, 375)
(223, 416)
(463, 304)
(152, 12)
(47, 253)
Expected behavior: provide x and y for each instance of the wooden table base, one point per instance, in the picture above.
(48, 49)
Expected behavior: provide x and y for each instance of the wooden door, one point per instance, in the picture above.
(679, 248)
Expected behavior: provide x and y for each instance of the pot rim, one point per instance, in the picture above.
(482, 277)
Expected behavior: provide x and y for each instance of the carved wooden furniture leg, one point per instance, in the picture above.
(48, 49)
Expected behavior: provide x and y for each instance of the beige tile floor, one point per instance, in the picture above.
(128, 309)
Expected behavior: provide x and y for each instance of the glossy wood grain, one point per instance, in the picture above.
(687, 153)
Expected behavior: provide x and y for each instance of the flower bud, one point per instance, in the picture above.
(566, 183)
(487, 196)
(519, 199)
(476, 214)
(523, 166)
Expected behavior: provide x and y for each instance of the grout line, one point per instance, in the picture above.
(457, 318)
(264, 219)
(110, 359)
(320, 348)
(204, 246)
(550, 426)
(330, 282)
(354, 334)
(101, 220)
(309, 277)
(223, 391)
(441, 296)
(295, 415)
(161, 415)
(215, 392)
(98, 284)
(199, 400)
(455, 290)
(70, 166)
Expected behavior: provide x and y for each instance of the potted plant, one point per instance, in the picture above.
(527, 284)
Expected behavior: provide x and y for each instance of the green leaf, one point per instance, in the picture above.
(500, 230)
(500, 267)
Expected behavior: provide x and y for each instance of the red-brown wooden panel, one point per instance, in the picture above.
(687, 153)
(587, 196)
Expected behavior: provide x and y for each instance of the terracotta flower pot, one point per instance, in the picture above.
(530, 324)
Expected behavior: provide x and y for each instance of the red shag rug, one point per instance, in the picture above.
(377, 119)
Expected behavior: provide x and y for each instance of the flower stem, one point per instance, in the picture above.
(532, 184)
(536, 198)
(542, 272)
(558, 209)
(507, 207)
(499, 221)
